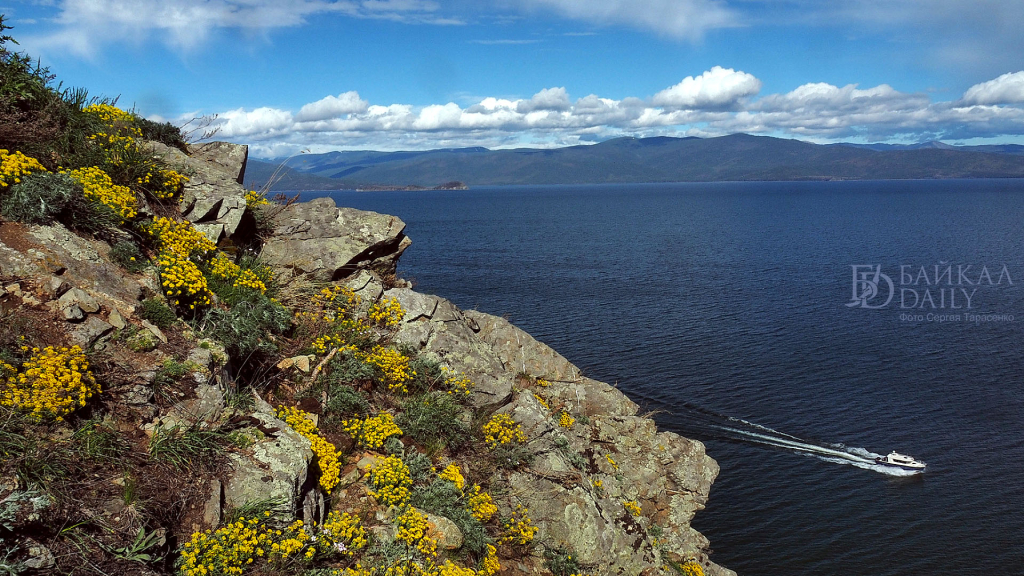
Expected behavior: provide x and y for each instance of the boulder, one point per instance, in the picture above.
(229, 158)
(213, 198)
(327, 243)
(276, 467)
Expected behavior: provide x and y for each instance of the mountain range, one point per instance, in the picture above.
(622, 160)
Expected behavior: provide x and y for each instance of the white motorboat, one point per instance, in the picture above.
(900, 461)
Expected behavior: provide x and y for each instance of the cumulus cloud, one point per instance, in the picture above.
(546, 99)
(719, 101)
(332, 107)
(1006, 89)
(688, 19)
(716, 88)
(83, 25)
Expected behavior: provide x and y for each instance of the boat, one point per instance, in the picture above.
(898, 460)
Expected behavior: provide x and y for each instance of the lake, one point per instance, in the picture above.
(734, 313)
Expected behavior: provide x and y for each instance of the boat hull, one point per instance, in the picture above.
(900, 466)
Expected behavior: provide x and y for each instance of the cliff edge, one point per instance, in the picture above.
(240, 385)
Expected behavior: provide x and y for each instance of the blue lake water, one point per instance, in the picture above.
(723, 307)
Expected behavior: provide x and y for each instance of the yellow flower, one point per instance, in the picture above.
(52, 383)
(373, 431)
(502, 430)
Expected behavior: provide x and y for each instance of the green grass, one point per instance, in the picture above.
(186, 448)
(434, 418)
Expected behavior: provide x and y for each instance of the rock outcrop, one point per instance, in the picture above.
(327, 243)
(213, 198)
(601, 480)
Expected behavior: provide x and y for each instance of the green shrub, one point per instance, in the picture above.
(127, 255)
(45, 197)
(346, 368)
(345, 400)
(165, 133)
(157, 312)
(561, 562)
(434, 418)
(39, 198)
(248, 327)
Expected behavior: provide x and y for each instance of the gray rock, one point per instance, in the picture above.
(275, 468)
(205, 408)
(154, 331)
(229, 158)
(116, 319)
(324, 242)
(444, 532)
(212, 508)
(73, 313)
(80, 297)
(39, 556)
(88, 332)
(214, 194)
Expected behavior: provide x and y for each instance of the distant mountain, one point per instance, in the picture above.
(661, 159)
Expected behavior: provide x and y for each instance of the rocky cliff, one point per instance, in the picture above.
(195, 426)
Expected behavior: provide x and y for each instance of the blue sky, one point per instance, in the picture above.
(286, 75)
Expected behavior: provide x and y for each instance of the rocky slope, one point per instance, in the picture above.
(599, 480)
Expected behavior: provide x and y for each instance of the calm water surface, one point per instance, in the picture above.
(723, 306)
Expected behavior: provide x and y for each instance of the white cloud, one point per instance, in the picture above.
(716, 88)
(1006, 89)
(717, 102)
(546, 99)
(83, 25)
(679, 18)
(332, 107)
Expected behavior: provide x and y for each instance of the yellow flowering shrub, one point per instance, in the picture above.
(162, 184)
(52, 383)
(502, 430)
(386, 312)
(489, 566)
(341, 534)
(223, 268)
(329, 341)
(254, 198)
(453, 474)
(14, 166)
(565, 420)
(181, 238)
(456, 382)
(97, 185)
(119, 134)
(327, 456)
(236, 547)
(182, 281)
(543, 383)
(412, 530)
(373, 431)
(227, 550)
(480, 504)
(632, 507)
(519, 529)
(542, 401)
(331, 304)
(394, 367)
(391, 481)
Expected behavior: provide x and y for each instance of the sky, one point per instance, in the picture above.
(290, 75)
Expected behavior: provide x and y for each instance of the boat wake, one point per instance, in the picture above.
(741, 430)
